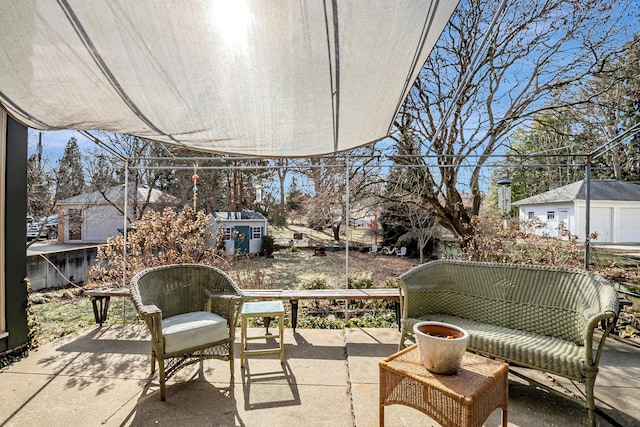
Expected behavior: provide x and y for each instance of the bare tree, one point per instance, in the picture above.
(329, 176)
(611, 106)
(107, 168)
(420, 226)
(534, 50)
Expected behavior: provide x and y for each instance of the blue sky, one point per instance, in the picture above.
(53, 143)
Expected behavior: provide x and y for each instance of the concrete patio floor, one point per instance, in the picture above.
(100, 376)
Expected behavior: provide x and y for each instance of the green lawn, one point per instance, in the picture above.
(61, 316)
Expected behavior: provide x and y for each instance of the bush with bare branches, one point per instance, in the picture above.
(158, 238)
(493, 243)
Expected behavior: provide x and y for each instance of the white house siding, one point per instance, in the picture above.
(614, 211)
(100, 222)
(562, 213)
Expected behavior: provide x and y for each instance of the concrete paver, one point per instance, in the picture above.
(101, 376)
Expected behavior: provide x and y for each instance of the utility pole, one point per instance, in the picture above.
(39, 151)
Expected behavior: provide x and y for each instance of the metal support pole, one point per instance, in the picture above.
(124, 228)
(346, 239)
(346, 229)
(587, 212)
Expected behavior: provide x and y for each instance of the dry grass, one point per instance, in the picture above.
(287, 270)
(62, 312)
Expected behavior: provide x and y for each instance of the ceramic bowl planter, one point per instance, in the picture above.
(441, 345)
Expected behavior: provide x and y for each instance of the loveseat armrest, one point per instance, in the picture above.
(148, 310)
(609, 318)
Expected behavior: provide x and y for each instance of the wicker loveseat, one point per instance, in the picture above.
(531, 316)
(191, 312)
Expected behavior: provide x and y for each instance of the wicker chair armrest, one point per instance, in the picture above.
(223, 304)
(147, 310)
(152, 315)
(226, 305)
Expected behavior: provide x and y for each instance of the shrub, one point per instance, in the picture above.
(268, 245)
(292, 249)
(158, 238)
(315, 282)
(391, 282)
(492, 243)
(320, 322)
(360, 281)
(373, 320)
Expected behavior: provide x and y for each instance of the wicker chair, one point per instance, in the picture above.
(191, 311)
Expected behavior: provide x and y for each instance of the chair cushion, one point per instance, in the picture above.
(194, 329)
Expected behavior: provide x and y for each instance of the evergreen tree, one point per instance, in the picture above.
(549, 146)
(70, 176)
(38, 195)
(609, 106)
(392, 224)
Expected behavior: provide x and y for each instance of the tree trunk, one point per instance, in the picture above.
(336, 231)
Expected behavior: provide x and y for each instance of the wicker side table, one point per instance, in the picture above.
(464, 399)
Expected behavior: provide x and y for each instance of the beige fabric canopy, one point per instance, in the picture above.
(264, 78)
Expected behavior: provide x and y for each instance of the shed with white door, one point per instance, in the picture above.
(561, 212)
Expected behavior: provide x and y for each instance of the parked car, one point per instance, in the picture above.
(33, 228)
(50, 228)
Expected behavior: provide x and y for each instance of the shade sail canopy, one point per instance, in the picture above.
(264, 78)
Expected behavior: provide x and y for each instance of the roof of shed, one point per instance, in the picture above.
(604, 189)
(244, 215)
(115, 194)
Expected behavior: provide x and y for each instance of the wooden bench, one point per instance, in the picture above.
(294, 296)
(100, 301)
(100, 298)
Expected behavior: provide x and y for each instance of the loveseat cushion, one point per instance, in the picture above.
(553, 355)
(193, 329)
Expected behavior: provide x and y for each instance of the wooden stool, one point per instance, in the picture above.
(266, 309)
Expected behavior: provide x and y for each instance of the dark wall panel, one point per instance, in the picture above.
(15, 233)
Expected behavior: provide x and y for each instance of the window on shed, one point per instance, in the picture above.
(227, 233)
(256, 232)
(551, 215)
(531, 215)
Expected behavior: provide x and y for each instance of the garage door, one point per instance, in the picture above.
(629, 225)
(602, 223)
